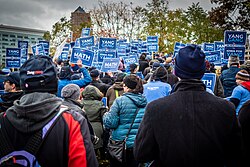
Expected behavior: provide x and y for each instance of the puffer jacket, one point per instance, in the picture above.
(228, 80)
(121, 115)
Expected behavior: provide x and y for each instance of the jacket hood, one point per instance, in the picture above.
(139, 100)
(92, 93)
(190, 85)
(33, 111)
(246, 84)
(11, 96)
(118, 86)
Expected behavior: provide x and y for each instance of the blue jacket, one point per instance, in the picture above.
(241, 93)
(155, 90)
(121, 115)
(81, 82)
(228, 80)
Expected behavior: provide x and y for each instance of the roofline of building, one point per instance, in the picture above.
(15, 28)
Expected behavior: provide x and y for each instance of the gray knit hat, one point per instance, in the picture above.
(233, 60)
(71, 91)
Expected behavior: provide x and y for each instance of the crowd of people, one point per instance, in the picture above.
(55, 112)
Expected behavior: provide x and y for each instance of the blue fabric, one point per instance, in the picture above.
(121, 115)
(81, 82)
(242, 94)
(155, 90)
(228, 80)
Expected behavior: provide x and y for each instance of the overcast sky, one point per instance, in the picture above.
(42, 14)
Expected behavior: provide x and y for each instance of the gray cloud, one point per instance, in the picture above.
(42, 14)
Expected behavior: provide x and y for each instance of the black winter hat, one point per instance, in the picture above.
(94, 73)
(14, 78)
(190, 62)
(38, 74)
(65, 73)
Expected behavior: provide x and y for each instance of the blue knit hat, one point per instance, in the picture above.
(190, 62)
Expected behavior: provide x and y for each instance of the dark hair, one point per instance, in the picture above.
(134, 83)
(143, 56)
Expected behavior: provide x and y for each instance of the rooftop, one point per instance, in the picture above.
(14, 28)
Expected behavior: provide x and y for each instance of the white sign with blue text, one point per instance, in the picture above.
(209, 80)
(13, 57)
(86, 56)
(110, 65)
(107, 43)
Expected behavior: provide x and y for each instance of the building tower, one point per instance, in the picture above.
(79, 20)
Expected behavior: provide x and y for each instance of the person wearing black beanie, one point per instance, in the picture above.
(190, 127)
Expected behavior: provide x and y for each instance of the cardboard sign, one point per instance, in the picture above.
(152, 39)
(209, 80)
(218, 46)
(130, 60)
(38, 49)
(45, 47)
(12, 59)
(86, 56)
(86, 32)
(105, 54)
(86, 41)
(107, 43)
(110, 65)
(213, 57)
(208, 47)
(236, 51)
(235, 37)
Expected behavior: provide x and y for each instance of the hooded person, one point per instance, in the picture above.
(188, 118)
(227, 77)
(39, 116)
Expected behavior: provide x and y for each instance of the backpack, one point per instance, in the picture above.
(26, 157)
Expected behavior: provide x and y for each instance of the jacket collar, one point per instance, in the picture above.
(189, 85)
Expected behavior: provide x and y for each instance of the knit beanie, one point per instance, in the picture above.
(94, 73)
(71, 91)
(65, 73)
(159, 73)
(129, 82)
(233, 60)
(120, 77)
(38, 74)
(190, 62)
(243, 75)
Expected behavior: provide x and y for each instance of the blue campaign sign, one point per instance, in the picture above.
(208, 47)
(13, 58)
(218, 46)
(213, 57)
(152, 39)
(38, 49)
(110, 65)
(86, 41)
(123, 45)
(107, 43)
(45, 47)
(236, 51)
(178, 46)
(86, 56)
(134, 49)
(105, 54)
(64, 55)
(130, 60)
(235, 37)
(86, 32)
(66, 47)
(121, 52)
(97, 65)
(77, 43)
(153, 48)
(122, 41)
(209, 80)
(23, 45)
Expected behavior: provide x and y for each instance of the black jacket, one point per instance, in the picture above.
(190, 127)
